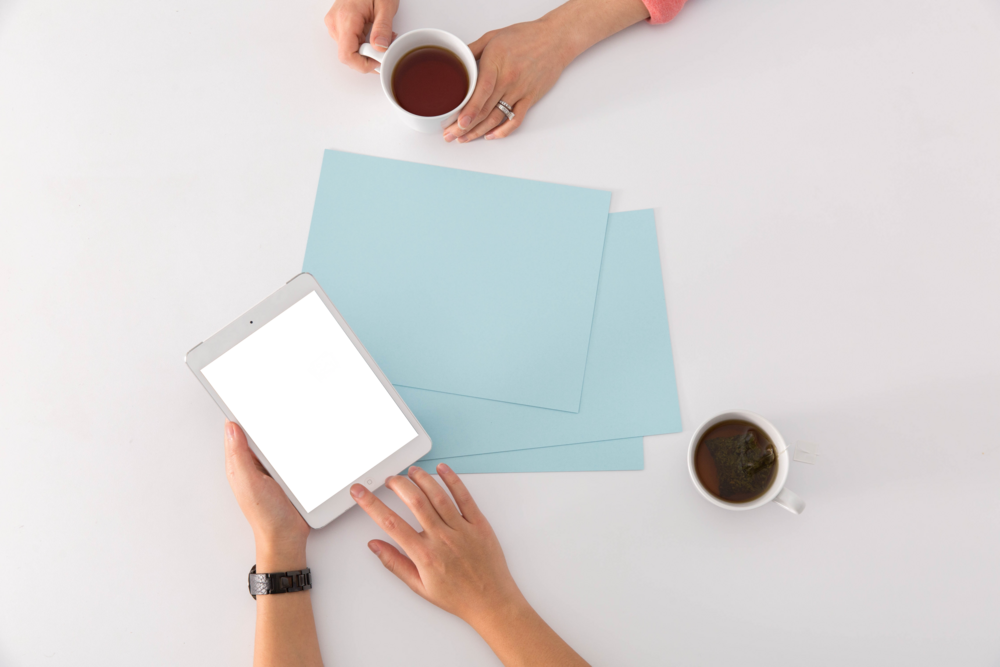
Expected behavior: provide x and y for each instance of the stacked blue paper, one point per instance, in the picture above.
(623, 454)
(629, 389)
(461, 282)
(360, 254)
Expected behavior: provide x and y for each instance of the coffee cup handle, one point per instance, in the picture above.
(368, 51)
(790, 501)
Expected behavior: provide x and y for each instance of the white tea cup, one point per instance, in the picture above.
(407, 42)
(777, 492)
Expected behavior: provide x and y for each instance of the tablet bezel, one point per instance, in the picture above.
(295, 290)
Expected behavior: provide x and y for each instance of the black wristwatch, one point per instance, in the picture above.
(279, 582)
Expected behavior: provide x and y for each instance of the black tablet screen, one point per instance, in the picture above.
(310, 401)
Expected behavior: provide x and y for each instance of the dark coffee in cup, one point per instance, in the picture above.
(736, 461)
(429, 81)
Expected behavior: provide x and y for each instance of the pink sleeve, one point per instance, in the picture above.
(661, 11)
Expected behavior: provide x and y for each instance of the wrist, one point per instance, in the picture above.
(566, 37)
(579, 24)
(497, 619)
(282, 555)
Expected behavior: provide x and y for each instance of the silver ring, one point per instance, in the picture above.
(505, 108)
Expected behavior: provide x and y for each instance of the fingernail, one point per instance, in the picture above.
(412, 470)
(381, 41)
(357, 491)
(389, 478)
(462, 140)
(443, 467)
(464, 122)
(230, 430)
(449, 137)
(375, 548)
(490, 135)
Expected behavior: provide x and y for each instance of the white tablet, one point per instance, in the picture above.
(317, 410)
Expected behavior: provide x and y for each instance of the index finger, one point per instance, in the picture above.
(389, 521)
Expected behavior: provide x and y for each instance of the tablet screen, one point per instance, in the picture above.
(310, 402)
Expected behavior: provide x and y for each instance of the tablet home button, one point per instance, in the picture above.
(368, 482)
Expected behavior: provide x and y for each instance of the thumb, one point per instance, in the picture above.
(381, 35)
(240, 461)
(398, 564)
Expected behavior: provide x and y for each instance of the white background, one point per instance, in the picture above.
(825, 181)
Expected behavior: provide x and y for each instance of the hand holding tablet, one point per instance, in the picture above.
(317, 411)
(455, 563)
(323, 427)
(279, 532)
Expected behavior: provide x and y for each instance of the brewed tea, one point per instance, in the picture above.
(736, 461)
(429, 81)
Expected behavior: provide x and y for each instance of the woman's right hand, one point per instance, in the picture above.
(456, 563)
(348, 21)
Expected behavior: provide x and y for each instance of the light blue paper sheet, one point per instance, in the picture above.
(587, 456)
(458, 281)
(629, 388)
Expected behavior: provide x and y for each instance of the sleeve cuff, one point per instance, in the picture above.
(661, 11)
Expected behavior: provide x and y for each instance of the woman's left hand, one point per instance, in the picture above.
(518, 65)
(279, 531)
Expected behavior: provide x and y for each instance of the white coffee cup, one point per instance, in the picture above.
(777, 492)
(403, 45)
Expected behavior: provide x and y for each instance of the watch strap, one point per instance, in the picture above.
(272, 583)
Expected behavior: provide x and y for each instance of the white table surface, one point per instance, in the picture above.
(825, 178)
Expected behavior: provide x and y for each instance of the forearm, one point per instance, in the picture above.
(286, 631)
(520, 638)
(583, 23)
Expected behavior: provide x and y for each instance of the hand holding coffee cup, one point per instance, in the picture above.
(739, 461)
(348, 22)
(518, 64)
(521, 62)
